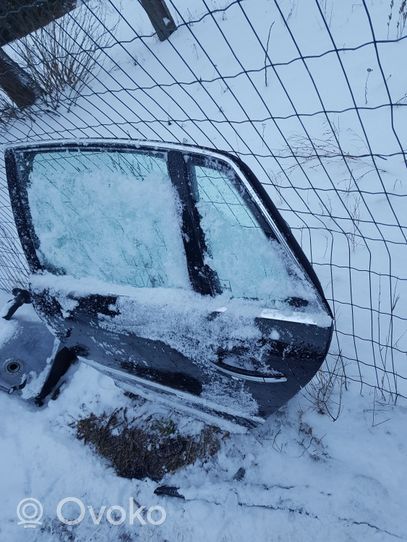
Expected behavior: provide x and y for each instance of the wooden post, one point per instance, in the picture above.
(17, 19)
(20, 17)
(16, 83)
(160, 17)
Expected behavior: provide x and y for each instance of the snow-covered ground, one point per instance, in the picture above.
(305, 476)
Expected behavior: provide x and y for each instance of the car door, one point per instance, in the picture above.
(169, 265)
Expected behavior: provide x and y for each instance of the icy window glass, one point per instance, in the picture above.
(249, 264)
(109, 215)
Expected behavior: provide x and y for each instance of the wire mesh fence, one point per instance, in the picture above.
(309, 94)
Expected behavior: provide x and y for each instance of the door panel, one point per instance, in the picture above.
(170, 265)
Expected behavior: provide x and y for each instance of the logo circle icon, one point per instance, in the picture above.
(30, 512)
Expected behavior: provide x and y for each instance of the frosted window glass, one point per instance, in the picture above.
(109, 215)
(249, 264)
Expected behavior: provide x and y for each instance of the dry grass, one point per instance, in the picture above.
(8, 111)
(151, 450)
(325, 390)
(398, 12)
(64, 56)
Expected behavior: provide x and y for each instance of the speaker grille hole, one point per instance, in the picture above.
(13, 367)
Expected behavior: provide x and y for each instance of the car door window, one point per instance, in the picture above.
(110, 215)
(248, 261)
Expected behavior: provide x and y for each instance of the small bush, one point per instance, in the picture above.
(63, 56)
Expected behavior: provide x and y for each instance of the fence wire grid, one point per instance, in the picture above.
(311, 94)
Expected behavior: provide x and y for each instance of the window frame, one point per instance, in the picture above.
(236, 181)
(181, 159)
